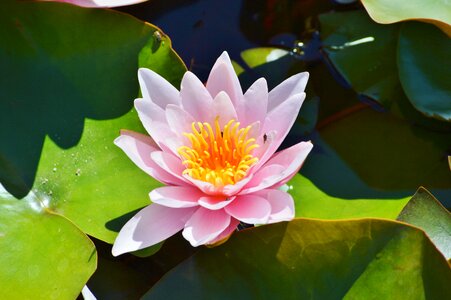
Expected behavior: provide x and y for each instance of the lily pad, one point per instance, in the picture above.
(312, 202)
(67, 92)
(425, 80)
(314, 259)
(426, 212)
(437, 12)
(43, 253)
(364, 53)
(388, 153)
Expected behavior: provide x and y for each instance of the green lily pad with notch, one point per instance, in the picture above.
(364, 53)
(313, 259)
(43, 254)
(437, 12)
(312, 202)
(424, 61)
(68, 91)
(426, 212)
(391, 154)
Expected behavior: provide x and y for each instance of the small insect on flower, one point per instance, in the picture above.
(214, 149)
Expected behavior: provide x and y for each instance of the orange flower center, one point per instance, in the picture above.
(220, 157)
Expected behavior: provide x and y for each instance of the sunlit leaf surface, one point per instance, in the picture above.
(307, 259)
(67, 92)
(43, 254)
(424, 211)
(437, 12)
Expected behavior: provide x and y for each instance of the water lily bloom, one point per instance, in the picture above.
(214, 149)
(100, 3)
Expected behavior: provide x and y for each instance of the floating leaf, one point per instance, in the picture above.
(312, 202)
(308, 259)
(259, 56)
(74, 87)
(426, 212)
(388, 153)
(43, 254)
(363, 52)
(424, 62)
(390, 11)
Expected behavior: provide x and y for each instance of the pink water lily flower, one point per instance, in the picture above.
(99, 3)
(214, 149)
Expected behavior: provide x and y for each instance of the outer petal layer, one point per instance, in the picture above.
(294, 85)
(214, 203)
(150, 226)
(282, 166)
(196, 100)
(156, 88)
(250, 209)
(176, 196)
(226, 233)
(205, 225)
(99, 3)
(255, 103)
(280, 120)
(223, 78)
(282, 205)
(138, 148)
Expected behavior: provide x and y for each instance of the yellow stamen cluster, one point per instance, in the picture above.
(220, 157)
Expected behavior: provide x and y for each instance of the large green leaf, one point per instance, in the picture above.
(437, 12)
(312, 202)
(424, 211)
(363, 52)
(389, 153)
(308, 259)
(424, 61)
(364, 165)
(42, 253)
(67, 91)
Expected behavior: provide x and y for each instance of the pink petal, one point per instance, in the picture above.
(170, 163)
(156, 88)
(149, 111)
(215, 202)
(138, 148)
(233, 189)
(265, 140)
(250, 209)
(204, 186)
(223, 78)
(264, 177)
(223, 107)
(154, 121)
(227, 232)
(284, 164)
(282, 205)
(210, 189)
(176, 196)
(178, 119)
(205, 225)
(99, 3)
(150, 226)
(280, 120)
(254, 106)
(294, 85)
(196, 100)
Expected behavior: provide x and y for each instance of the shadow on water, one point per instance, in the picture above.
(200, 30)
(51, 79)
